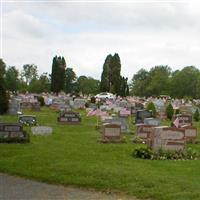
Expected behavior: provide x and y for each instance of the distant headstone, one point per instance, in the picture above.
(12, 132)
(122, 122)
(69, 118)
(190, 133)
(41, 130)
(140, 115)
(152, 121)
(111, 132)
(14, 107)
(65, 108)
(29, 120)
(181, 120)
(26, 105)
(144, 131)
(35, 106)
(124, 113)
(92, 106)
(79, 103)
(138, 106)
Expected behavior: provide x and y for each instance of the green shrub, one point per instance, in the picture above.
(143, 152)
(177, 111)
(147, 153)
(196, 115)
(93, 100)
(169, 111)
(151, 107)
(41, 100)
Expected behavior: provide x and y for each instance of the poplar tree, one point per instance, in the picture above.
(3, 94)
(106, 75)
(58, 74)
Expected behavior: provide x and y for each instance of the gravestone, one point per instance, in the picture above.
(138, 106)
(111, 132)
(140, 115)
(190, 133)
(144, 131)
(35, 106)
(69, 118)
(12, 132)
(65, 108)
(41, 130)
(79, 103)
(14, 107)
(26, 105)
(122, 103)
(166, 138)
(92, 106)
(124, 113)
(117, 109)
(29, 120)
(181, 120)
(122, 122)
(152, 121)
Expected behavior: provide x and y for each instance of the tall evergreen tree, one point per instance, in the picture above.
(58, 74)
(12, 79)
(106, 75)
(69, 80)
(3, 95)
(111, 80)
(115, 68)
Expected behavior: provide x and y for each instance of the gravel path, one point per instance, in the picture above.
(16, 188)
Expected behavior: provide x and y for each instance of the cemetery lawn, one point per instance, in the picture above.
(73, 156)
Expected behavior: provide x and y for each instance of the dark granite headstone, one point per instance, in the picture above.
(29, 120)
(69, 118)
(140, 115)
(12, 132)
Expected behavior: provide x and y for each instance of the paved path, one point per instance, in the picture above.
(16, 188)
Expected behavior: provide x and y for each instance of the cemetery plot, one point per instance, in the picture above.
(69, 118)
(12, 132)
(41, 130)
(111, 133)
(167, 138)
(29, 120)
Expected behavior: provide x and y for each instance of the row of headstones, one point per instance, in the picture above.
(15, 106)
(168, 138)
(13, 132)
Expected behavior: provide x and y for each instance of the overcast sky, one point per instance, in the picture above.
(143, 34)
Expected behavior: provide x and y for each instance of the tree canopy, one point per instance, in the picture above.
(111, 79)
(161, 80)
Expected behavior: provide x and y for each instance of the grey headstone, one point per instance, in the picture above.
(41, 130)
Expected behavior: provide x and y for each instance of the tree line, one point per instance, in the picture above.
(161, 80)
(61, 79)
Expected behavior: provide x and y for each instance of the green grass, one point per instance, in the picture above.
(73, 156)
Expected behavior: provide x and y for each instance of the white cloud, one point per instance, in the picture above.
(144, 35)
